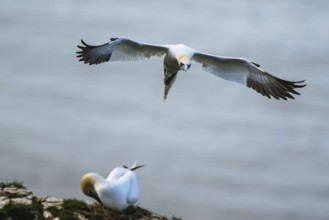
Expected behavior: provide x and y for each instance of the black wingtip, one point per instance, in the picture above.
(299, 82)
(81, 47)
(135, 168)
(89, 54)
(276, 87)
(256, 64)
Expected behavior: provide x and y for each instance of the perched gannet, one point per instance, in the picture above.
(180, 57)
(117, 191)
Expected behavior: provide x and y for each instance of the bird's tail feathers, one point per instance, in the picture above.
(135, 166)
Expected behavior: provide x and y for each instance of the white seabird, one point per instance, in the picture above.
(180, 57)
(117, 191)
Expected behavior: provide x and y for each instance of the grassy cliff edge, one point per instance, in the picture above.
(17, 202)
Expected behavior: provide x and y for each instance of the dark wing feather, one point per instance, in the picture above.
(274, 86)
(118, 49)
(250, 74)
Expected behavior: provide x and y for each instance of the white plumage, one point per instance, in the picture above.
(180, 57)
(117, 191)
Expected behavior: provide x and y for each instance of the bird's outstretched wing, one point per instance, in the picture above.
(118, 49)
(249, 74)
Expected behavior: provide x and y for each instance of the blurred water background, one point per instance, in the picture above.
(213, 150)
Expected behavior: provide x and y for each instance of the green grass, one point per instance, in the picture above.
(69, 209)
(21, 211)
(14, 183)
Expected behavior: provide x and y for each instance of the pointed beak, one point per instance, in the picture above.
(95, 196)
(186, 67)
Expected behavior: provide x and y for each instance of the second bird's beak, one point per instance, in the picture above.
(95, 196)
(185, 67)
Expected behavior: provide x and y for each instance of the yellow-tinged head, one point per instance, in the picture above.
(87, 185)
(184, 62)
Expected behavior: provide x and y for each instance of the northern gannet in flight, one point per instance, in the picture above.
(117, 191)
(180, 57)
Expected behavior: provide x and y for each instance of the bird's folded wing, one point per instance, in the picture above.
(129, 186)
(249, 74)
(118, 49)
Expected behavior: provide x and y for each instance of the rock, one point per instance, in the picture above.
(19, 192)
(47, 214)
(21, 200)
(53, 200)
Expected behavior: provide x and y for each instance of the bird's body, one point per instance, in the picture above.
(180, 57)
(117, 191)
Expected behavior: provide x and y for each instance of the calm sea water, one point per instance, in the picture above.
(213, 150)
